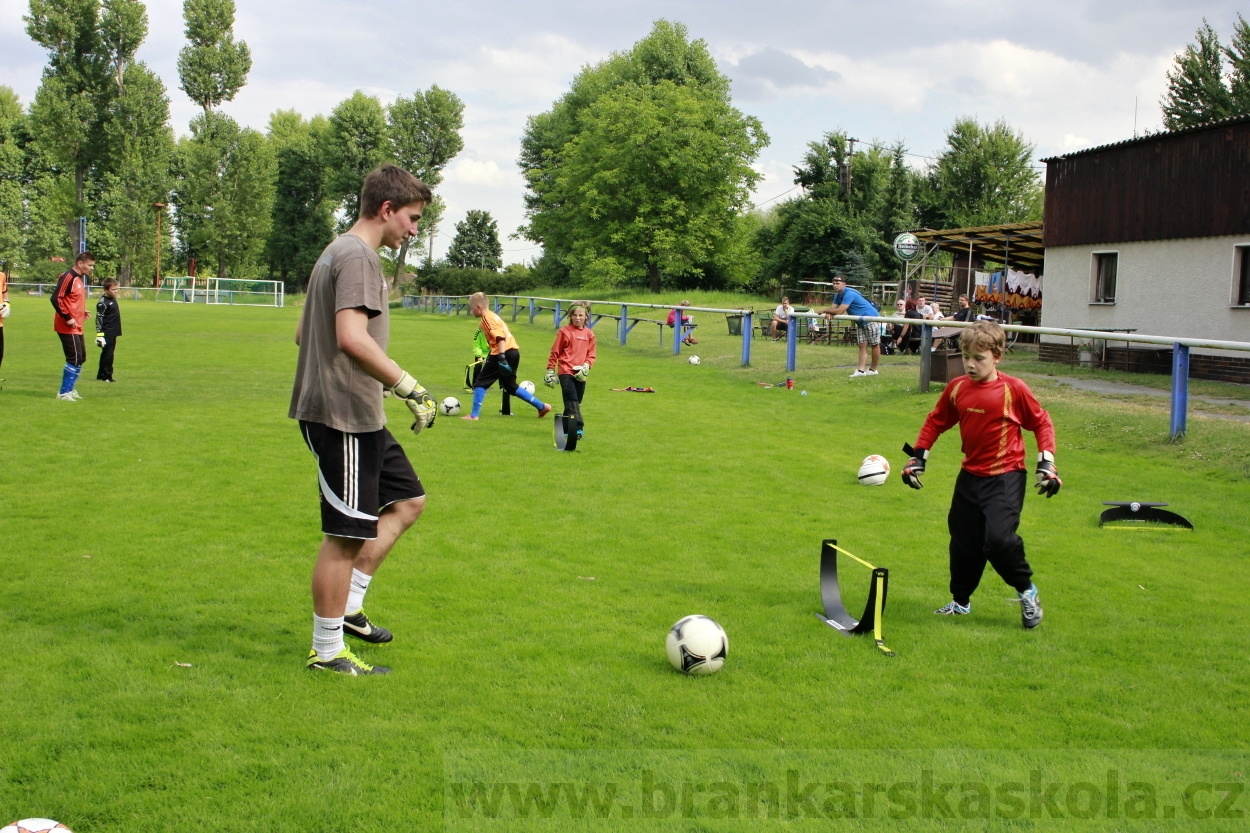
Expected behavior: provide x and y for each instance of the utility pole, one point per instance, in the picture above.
(849, 159)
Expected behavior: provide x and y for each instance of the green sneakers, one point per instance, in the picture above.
(345, 662)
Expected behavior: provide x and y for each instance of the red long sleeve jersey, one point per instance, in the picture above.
(70, 300)
(573, 346)
(990, 416)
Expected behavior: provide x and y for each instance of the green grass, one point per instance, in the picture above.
(172, 518)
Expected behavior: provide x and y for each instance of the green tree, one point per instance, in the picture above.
(212, 66)
(223, 193)
(90, 45)
(1238, 54)
(476, 243)
(302, 222)
(852, 205)
(141, 145)
(425, 136)
(984, 176)
(643, 167)
(12, 168)
(357, 142)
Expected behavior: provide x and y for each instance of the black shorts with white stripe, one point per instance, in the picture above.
(359, 475)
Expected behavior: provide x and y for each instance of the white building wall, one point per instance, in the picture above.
(1182, 288)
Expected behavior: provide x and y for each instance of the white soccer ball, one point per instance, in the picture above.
(34, 826)
(874, 470)
(693, 359)
(527, 386)
(697, 645)
(449, 406)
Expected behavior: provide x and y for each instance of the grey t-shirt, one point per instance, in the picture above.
(329, 388)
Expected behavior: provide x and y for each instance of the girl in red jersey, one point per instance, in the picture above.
(571, 357)
(990, 408)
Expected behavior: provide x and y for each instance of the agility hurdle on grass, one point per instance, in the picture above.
(836, 615)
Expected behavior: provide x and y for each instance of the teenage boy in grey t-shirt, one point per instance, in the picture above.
(370, 494)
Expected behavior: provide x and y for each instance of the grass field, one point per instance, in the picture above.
(157, 540)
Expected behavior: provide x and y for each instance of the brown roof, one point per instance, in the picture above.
(1019, 243)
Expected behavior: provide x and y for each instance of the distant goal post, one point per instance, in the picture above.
(237, 292)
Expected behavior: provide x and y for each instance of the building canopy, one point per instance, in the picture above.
(1019, 245)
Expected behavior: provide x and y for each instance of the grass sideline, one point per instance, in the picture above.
(171, 518)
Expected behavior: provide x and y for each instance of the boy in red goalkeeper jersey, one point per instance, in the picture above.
(990, 408)
(572, 354)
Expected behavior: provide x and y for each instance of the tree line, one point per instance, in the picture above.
(641, 174)
(97, 142)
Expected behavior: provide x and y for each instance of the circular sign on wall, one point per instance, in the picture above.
(907, 245)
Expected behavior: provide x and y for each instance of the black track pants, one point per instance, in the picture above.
(984, 516)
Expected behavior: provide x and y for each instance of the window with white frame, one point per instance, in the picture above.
(1241, 277)
(1106, 265)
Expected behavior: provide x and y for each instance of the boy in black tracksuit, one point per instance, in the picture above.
(108, 328)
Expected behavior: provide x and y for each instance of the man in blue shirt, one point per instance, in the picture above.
(847, 301)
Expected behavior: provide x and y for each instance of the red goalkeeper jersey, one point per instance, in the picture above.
(990, 416)
(573, 346)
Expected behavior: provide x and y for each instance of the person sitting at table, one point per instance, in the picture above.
(687, 324)
(780, 322)
(891, 332)
(909, 339)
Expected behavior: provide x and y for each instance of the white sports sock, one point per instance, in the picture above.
(356, 597)
(327, 637)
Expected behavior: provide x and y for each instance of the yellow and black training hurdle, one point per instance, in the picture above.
(836, 615)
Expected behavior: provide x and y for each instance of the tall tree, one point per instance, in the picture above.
(356, 142)
(1238, 54)
(425, 136)
(476, 244)
(12, 158)
(983, 176)
(212, 66)
(141, 144)
(302, 222)
(90, 44)
(643, 167)
(223, 194)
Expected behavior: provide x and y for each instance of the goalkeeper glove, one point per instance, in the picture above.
(100, 340)
(549, 378)
(915, 466)
(1048, 481)
(503, 364)
(418, 401)
(581, 372)
(5, 309)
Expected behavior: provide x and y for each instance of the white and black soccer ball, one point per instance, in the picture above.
(693, 360)
(874, 470)
(34, 826)
(449, 406)
(527, 386)
(697, 645)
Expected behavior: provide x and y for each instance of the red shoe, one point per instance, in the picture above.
(546, 409)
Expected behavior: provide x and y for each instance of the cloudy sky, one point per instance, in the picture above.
(1067, 73)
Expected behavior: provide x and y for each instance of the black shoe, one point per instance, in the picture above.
(345, 662)
(359, 626)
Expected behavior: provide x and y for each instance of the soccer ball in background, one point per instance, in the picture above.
(527, 386)
(34, 826)
(449, 406)
(874, 470)
(693, 359)
(697, 645)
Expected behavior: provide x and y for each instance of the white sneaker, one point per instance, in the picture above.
(65, 397)
(870, 372)
(75, 395)
(857, 374)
